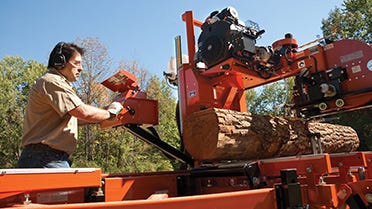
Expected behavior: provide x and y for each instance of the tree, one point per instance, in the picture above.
(353, 21)
(139, 72)
(96, 65)
(114, 150)
(361, 122)
(16, 79)
(150, 158)
(270, 99)
(167, 128)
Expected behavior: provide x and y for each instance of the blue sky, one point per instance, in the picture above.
(143, 30)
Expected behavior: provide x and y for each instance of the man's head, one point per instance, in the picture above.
(66, 57)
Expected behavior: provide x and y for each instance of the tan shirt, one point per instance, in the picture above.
(46, 119)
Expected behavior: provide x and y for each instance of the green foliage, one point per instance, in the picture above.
(115, 150)
(96, 64)
(270, 99)
(167, 128)
(16, 79)
(361, 123)
(118, 151)
(353, 21)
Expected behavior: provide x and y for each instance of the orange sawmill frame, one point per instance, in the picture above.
(327, 181)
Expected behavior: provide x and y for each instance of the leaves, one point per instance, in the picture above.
(353, 21)
(16, 79)
(269, 99)
(116, 150)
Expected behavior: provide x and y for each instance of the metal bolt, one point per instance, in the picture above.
(369, 197)
(209, 183)
(27, 199)
(342, 194)
(232, 182)
(321, 180)
(256, 181)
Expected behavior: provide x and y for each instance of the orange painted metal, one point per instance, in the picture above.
(223, 85)
(310, 166)
(145, 112)
(239, 76)
(140, 187)
(310, 169)
(21, 180)
(368, 170)
(343, 194)
(323, 185)
(345, 164)
(47, 196)
(47, 185)
(361, 188)
(277, 45)
(122, 81)
(138, 109)
(355, 57)
(188, 17)
(325, 195)
(261, 198)
(117, 188)
(58, 196)
(326, 181)
(213, 185)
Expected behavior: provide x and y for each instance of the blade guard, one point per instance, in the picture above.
(138, 109)
(122, 81)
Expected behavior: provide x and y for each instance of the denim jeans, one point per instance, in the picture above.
(42, 156)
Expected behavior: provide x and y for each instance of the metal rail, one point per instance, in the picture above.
(150, 136)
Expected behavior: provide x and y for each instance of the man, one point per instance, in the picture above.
(54, 110)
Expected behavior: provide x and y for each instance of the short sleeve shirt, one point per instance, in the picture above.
(46, 117)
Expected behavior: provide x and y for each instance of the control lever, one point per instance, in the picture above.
(130, 110)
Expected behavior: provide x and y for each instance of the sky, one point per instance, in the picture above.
(143, 30)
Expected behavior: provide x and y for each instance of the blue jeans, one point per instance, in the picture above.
(42, 156)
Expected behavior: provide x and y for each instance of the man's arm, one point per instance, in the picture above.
(90, 114)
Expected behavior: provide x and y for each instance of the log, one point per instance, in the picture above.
(219, 134)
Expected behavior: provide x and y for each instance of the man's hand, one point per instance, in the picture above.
(115, 108)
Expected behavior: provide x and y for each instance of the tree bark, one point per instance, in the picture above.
(219, 134)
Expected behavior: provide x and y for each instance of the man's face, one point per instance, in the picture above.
(72, 68)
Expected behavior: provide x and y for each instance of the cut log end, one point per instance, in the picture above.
(218, 134)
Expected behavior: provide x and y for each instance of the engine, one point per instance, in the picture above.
(224, 36)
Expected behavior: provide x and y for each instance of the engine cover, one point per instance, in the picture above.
(222, 40)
